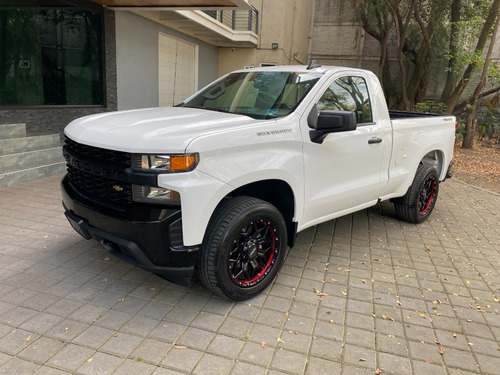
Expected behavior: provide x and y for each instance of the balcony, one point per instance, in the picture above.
(221, 28)
(237, 20)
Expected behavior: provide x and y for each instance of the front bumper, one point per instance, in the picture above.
(149, 236)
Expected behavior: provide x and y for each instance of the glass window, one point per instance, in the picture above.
(348, 94)
(262, 95)
(50, 56)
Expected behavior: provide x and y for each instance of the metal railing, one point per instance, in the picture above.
(238, 20)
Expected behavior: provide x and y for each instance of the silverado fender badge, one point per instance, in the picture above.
(274, 132)
(117, 188)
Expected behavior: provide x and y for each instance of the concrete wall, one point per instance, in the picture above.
(137, 60)
(285, 22)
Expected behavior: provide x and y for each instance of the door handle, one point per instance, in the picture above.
(374, 140)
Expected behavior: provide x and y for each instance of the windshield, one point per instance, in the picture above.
(260, 95)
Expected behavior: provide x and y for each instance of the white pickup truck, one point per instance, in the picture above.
(220, 185)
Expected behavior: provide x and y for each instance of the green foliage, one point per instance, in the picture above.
(431, 106)
(491, 124)
(460, 133)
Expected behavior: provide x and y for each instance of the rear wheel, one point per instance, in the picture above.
(243, 249)
(420, 199)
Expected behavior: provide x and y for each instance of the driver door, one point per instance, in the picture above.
(348, 170)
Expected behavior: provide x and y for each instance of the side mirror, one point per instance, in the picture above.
(332, 122)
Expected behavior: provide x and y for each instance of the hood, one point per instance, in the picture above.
(152, 130)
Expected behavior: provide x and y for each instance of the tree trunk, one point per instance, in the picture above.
(451, 101)
(471, 107)
(451, 77)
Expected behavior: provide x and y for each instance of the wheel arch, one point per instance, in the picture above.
(436, 159)
(279, 194)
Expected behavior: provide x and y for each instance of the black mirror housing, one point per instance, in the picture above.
(332, 122)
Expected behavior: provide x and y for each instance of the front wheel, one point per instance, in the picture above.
(420, 199)
(243, 249)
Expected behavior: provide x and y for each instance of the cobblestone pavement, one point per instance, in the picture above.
(362, 294)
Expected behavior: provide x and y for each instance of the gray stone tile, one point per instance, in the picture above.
(212, 365)
(93, 337)
(41, 322)
(121, 344)
(100, 364)
(67, 330)
(289, 362)
(207, 321)
(168, 332)
(256, 354)
(131, 367)
(183, 359)
(360, 356)
(195, 338)
(394, 364)
(235, 328)
(139, 325)
(41, 350)
(16, 341)
(326, 349)
(225, 346)
(18, 366)
(113, 319)
(151, 351)
(242, 368)
(71, 357)
(46, 370)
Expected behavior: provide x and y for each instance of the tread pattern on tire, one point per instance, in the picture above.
(224, 215)
(408, 210)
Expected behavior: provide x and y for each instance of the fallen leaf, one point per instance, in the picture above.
(454, 334)
(334, 280)
(179, 347)
(362, 359)
(165, 325)
(89, 360)
(441, 350)
(387, 318)
(263, 344)
(427, 250)
(378, 371)
(280, 340)
(422, 314)
(331, 321)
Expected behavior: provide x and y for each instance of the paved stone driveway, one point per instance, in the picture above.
(363, 294)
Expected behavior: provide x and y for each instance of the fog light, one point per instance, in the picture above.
(155, 194)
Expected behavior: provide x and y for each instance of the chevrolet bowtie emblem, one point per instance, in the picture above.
(117, 188)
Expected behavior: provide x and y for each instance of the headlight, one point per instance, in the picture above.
(169, 163)
(155, 194)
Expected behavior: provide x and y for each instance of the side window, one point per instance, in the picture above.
(348, 94)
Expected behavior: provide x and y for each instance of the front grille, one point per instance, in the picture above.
(101, 187)
(123, 159)
(91, 171)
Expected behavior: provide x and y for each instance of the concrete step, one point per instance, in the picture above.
(20, 145)
(8, 131)
(27, 160)
(12, 178)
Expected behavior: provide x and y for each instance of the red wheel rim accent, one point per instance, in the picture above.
(427, 195)
(253, 253)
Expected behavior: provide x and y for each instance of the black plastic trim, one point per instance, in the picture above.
(145, 235)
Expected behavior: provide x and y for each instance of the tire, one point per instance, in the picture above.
(243, 249)
(420, 199)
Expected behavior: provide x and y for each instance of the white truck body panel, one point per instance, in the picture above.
(342, 175)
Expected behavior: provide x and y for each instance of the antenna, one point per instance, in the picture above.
(313, 64)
